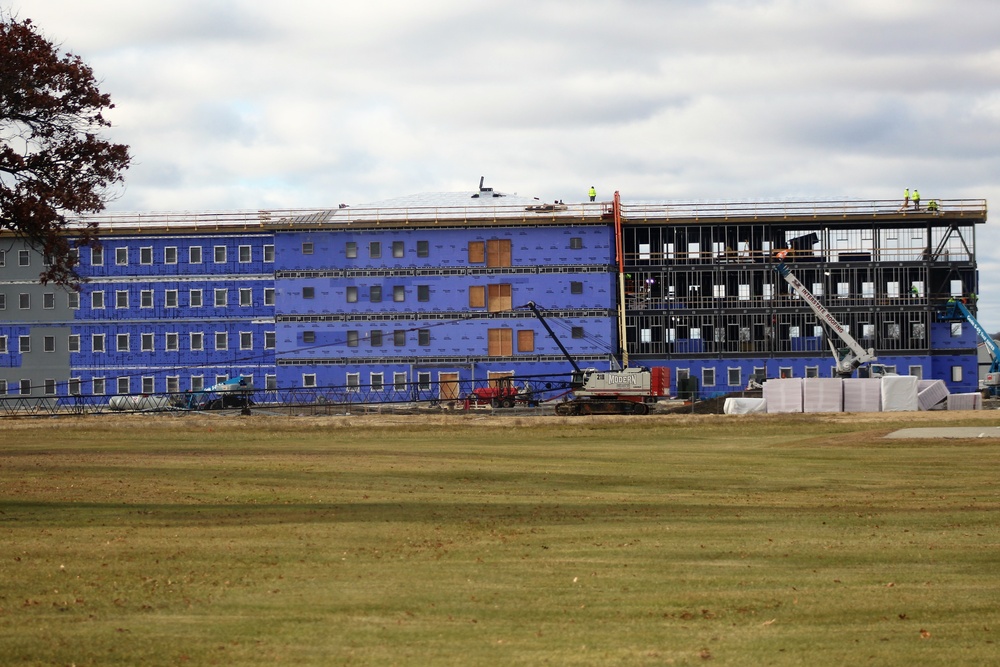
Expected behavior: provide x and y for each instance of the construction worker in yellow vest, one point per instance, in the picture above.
(906, 198)
(916, 199)
(592, 193)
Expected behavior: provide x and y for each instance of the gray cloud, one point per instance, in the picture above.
(240, 104)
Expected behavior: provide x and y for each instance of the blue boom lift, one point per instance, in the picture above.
(956, 311)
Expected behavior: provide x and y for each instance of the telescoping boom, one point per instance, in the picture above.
(847, 358)
(956, 311)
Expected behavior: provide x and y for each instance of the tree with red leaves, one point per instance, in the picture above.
(53, 163)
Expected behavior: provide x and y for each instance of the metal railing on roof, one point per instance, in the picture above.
(722, 210)
(789, 209)
(299, 218)
(207, 220)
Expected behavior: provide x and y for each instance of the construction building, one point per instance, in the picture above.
(700, 287)
(419, 298)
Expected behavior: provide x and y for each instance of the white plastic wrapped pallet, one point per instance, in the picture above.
(972, 401)
(862, 395)
(783, 395)
(899, 393)
(744, 406)
(822, 395)
(930, 393)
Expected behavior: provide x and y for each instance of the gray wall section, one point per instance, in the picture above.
(39, 365)
(16, 280)
(39, 321)
(12, 269)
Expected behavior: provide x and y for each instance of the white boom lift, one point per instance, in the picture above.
(847, 358)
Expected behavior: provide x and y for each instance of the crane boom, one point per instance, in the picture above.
(538, 314)
(623, 392)
(847, 360)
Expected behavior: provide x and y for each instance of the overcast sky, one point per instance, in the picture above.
(245, 104)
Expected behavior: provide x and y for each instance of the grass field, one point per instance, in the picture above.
(476, 540)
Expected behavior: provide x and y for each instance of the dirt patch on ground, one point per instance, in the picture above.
(664, 413)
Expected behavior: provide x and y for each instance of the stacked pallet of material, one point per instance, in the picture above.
(823, 395)
(931, 393)
(892, 393)
(899, 393)
(784, 395)
(965, 401)
(862, 395)
(744, 406)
